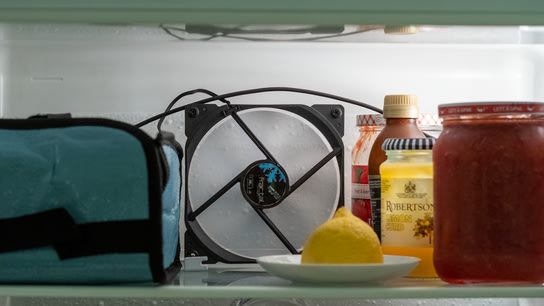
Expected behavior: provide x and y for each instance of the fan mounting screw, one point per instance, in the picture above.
(193, 112)
(336, 113)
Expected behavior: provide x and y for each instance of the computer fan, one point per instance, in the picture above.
(259, 178)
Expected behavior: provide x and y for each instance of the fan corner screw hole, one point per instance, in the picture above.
(336, 113)
(194, 112)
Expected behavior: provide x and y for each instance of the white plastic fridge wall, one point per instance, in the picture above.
(106, 70)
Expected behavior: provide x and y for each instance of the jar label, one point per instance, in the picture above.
(359, 182)
(360, 193)
(374, 181)
(407, 212)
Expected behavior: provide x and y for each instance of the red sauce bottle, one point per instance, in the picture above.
(489, 193)
(370, 127)
(401, 113)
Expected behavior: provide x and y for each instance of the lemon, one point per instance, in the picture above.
(342, 239)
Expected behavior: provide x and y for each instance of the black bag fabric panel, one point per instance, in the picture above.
(57, 228)
(37, 230)
(131, 236)
(51, 116)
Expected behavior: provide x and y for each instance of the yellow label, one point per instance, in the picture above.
(407, 212)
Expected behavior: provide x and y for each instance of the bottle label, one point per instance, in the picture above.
(360, 193)
(359, 182)
(375, 183)
(407, 212)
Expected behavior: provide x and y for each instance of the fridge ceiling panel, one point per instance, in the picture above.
(468, 12)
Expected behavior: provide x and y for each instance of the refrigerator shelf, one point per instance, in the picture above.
(247, 284)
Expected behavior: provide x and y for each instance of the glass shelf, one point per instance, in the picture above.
(248, 283)
(468, 12)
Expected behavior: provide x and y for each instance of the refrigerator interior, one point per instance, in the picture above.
(131, 72)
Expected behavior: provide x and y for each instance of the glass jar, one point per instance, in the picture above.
(407, 201)
(430, 124)
(489, 193)
(370, 125)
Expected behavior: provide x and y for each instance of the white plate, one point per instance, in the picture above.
(289, 267)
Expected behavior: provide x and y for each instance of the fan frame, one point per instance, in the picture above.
(200, 118)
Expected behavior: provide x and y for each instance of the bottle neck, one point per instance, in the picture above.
(401, 128)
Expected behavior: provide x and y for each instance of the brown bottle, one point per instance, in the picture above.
(400, 113)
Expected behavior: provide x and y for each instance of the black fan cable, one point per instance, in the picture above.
(236, 179)
(223, 98)
(233, 33)
(180, 96)
(263, 149)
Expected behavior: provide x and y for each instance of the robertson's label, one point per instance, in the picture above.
(407, 212)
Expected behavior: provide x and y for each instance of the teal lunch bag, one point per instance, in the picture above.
(87, 201)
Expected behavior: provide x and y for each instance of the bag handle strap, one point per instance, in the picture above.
(37, 230)
(57, 228)
(130, 236)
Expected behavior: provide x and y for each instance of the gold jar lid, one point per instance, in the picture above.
(400, 106)
(401, 29)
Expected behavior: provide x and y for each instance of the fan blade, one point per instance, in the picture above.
(276, 231)
(319, 165)
(254, 138)
(192, 216)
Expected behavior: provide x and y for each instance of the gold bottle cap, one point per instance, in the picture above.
(401, 29)
(400, 106)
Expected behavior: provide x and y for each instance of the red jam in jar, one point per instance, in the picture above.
(489, 193)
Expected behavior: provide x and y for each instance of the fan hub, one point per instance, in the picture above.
(264, 184)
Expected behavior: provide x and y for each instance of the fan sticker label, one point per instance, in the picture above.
(265, 184)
